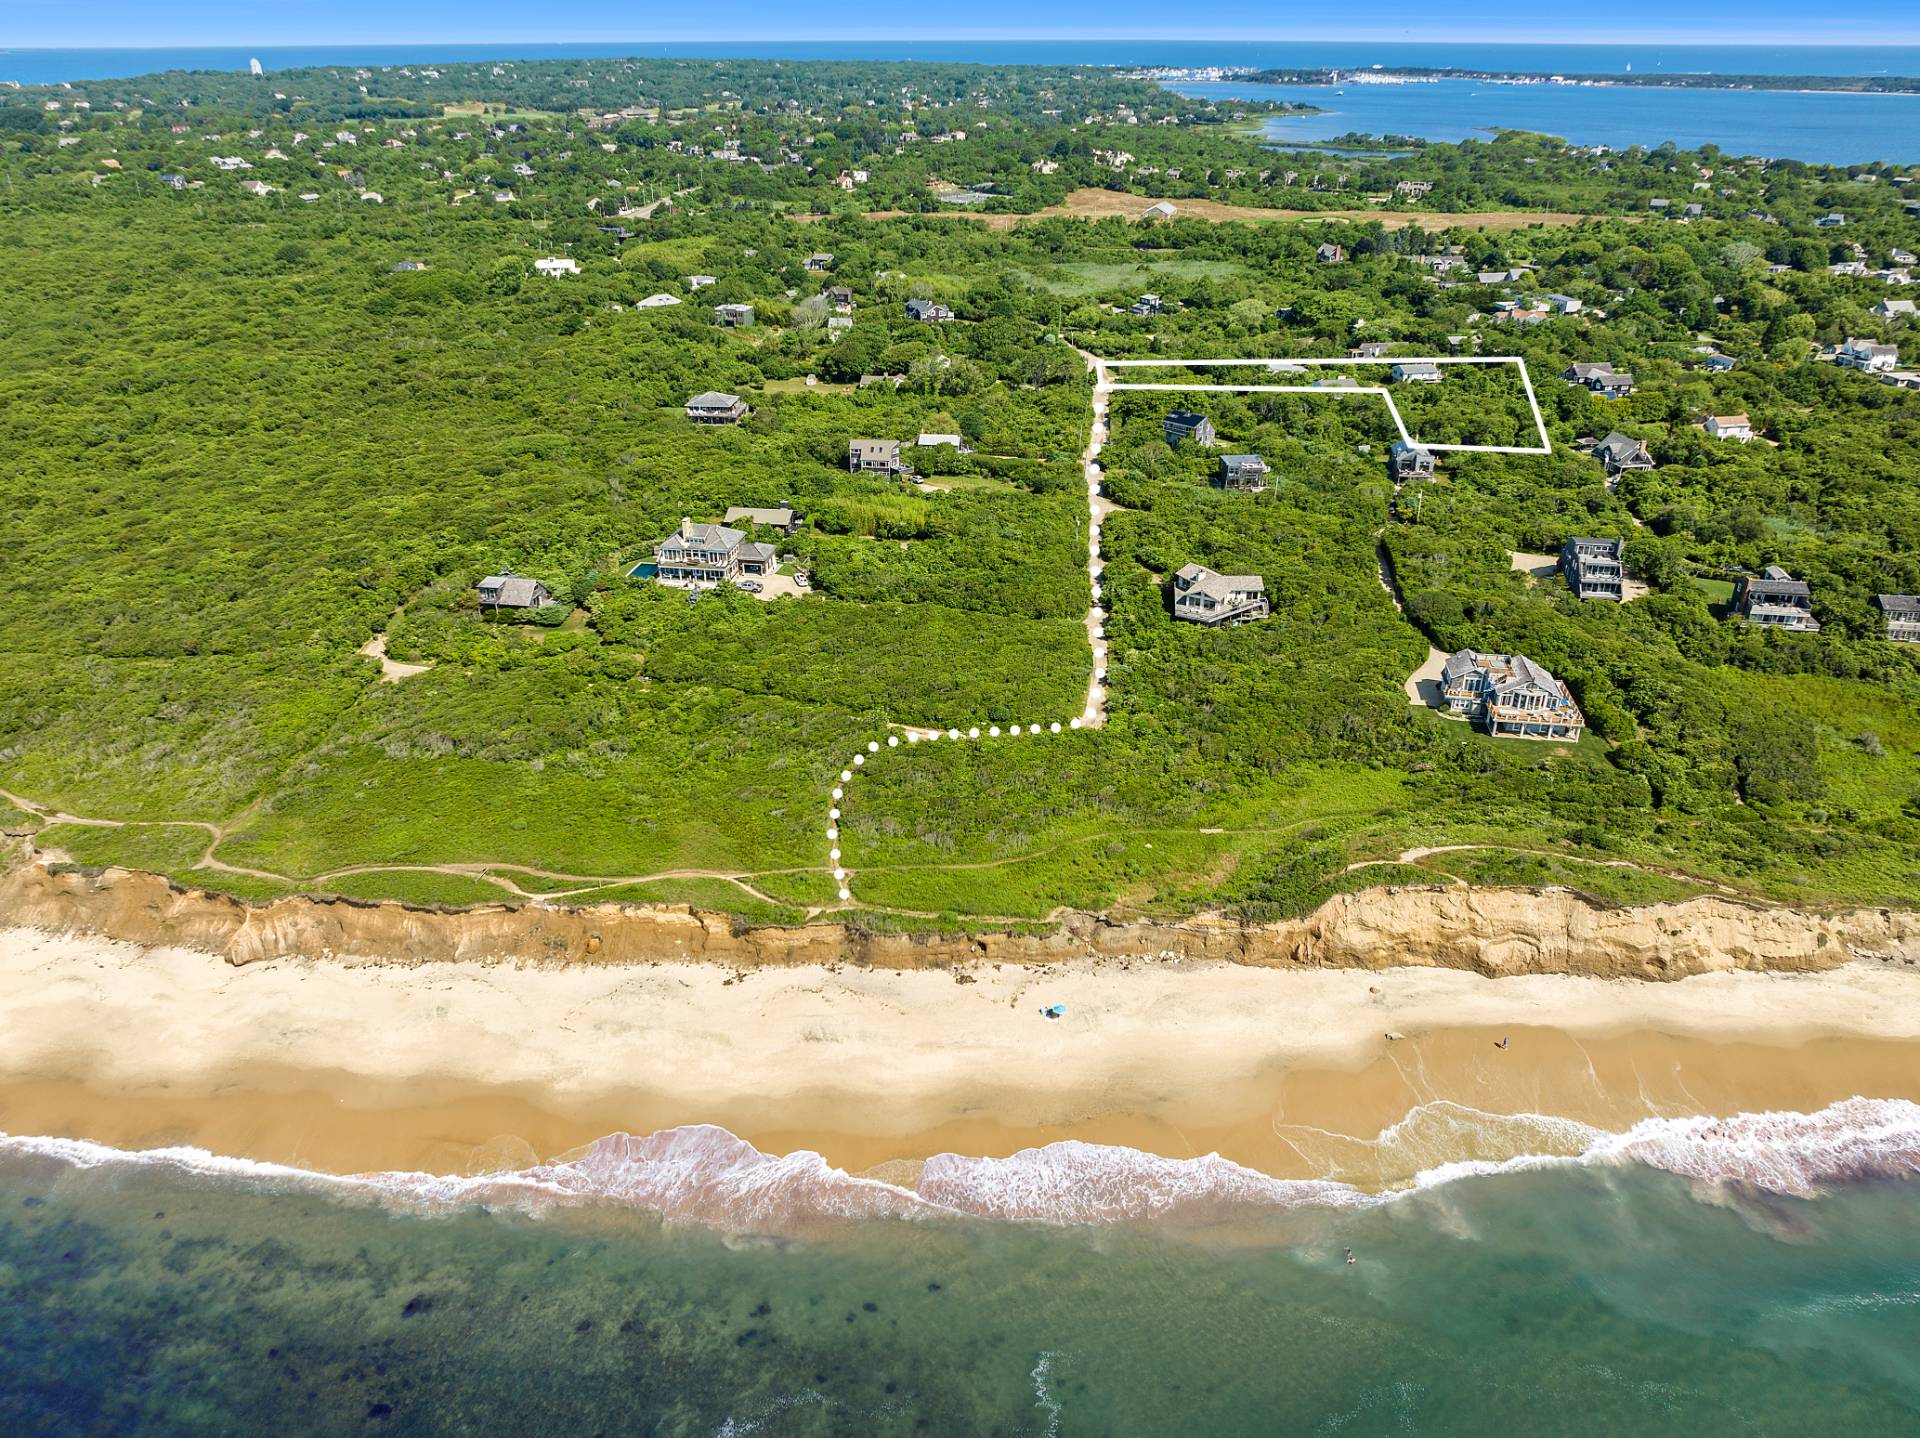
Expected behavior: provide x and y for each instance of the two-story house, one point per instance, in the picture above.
(705, 556)
(1867, 355)
(1776, 599)
(874, 456)
(713, 407)
(1902, 615)
(1621, 452)
(1246, 473)
(1601, 379)
(1200, 596)
(1408, 461)
(1510, 695)
(1595, 568)
(1186, 426)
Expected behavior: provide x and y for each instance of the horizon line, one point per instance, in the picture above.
(1189, 37)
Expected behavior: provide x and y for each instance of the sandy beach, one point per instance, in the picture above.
(470, 1067)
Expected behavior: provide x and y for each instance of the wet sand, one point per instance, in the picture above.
(470, 1068)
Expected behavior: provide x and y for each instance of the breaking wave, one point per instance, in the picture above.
(706, 1175)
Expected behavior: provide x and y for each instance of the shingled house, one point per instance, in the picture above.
(1621, 452)
(1244, 472)
(1902, 613)
(716, 408)
(1600, 379)
(1510, 696)
(1595, 568)
(874, 456)
(1201, 596)
(1185, 425)
(704, 556)
(928, 311)
(1409, 461)
(1777, 599)
(1415, 372)
(512, 591)
(734, 317)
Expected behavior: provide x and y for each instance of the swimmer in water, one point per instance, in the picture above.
(1349, 1255)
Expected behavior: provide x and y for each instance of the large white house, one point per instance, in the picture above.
(705, 556)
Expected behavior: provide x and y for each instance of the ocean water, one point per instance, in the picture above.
(1757, 1275)
(1819, 127)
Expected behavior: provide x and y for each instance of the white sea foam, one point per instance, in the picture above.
(702, 1174)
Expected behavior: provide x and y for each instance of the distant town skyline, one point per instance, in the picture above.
(141, 23)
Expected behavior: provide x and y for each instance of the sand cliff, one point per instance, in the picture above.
(1493, 932)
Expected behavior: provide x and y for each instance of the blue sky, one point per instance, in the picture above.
(62, 23)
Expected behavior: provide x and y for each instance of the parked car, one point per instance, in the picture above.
(752, 586)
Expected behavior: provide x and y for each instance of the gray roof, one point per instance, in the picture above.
(1221, 587)
(1905, 605)
(776, 518)
(513, 590)
(1620, 446)
(713, 399)
(1501, 670)
(707, 536)
(1775, 583)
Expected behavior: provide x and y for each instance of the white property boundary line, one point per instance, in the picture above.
(1544, 447)
(1095, 713)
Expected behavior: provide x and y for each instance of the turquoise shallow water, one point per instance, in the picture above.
(1614, 1299)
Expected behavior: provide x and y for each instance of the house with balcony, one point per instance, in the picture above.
(1595, 568)
(705, 556)
(1777, 600)
(1902, 615)
(714, 407)
(733, 317)
(1246, 473)
(1621, 452)
(874, 456)
(1408, 461)
(1867, 356)
(1200, 596)
(1509, 696)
